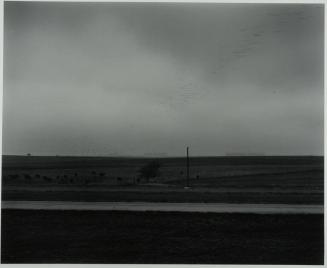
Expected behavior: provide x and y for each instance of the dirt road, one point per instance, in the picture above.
(178, 207)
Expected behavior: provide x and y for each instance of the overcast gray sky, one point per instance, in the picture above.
(139, 78)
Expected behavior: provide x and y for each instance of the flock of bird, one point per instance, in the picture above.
(250, 40)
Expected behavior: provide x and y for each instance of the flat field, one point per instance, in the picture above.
(294, 180)
(68, 236)
(160, 237)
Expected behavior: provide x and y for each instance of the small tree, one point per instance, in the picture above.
(150, 170)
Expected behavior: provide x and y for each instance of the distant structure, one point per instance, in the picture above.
(155, 154)
(187, 169)
(244, 154)
(28, 154)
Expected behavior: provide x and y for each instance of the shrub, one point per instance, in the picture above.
(150, 170)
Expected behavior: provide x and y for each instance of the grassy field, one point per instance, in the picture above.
(294, 180)
(213, 171)
(160, 237)
(164, 195)
(30, 236)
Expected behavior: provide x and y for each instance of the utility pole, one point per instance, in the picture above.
(187, 169)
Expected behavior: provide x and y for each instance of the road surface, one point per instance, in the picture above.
(178, 207)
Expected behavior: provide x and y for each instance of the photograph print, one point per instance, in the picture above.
(163, 133)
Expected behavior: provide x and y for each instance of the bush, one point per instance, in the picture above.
(150, 170)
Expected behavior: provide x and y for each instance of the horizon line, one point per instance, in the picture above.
(167, 156)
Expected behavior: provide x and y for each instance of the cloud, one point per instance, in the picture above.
(84, 78)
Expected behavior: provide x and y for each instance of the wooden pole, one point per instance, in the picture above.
(187, 169)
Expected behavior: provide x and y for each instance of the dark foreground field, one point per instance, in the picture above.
(32, 236)
(160, 237)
